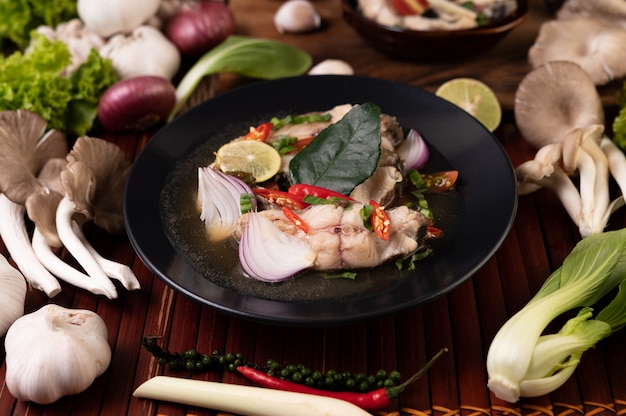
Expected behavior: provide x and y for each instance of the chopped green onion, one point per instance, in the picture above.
(245, 203)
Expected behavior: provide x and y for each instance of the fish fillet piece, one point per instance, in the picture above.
(341, 241)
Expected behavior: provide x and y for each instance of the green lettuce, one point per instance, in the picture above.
(19, 17)
(32, 81)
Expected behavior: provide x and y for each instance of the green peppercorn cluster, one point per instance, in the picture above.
(331, 380)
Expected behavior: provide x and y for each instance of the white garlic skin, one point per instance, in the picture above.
(55, 352)
(332, 67)
(107, 18)
(134, 54)
(297, 16)
(12, 295)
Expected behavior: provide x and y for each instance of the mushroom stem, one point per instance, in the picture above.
(114, 270)
(61, 269)
(545, 172)
(577, 159)
(592, 136)
(75, 246)
(617, 162)
(13, 233)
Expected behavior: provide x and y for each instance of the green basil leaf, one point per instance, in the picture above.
(344, 154)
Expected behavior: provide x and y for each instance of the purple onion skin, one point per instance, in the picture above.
(197, 28)
(136, 103)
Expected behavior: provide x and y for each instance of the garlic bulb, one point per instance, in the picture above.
(107, 18)
(332, 67)
(297, 16)
(135, 55)
(12, 295)
(55, 352)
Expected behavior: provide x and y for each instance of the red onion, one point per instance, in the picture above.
(198, 27)
(219, 195)
(269, 254)
(136, 103)
(414, 150)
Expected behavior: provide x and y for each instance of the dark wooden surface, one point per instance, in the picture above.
(464, 321)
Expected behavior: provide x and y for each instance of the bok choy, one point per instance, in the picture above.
(523, 361)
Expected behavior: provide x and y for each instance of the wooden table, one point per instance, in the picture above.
(464, 321)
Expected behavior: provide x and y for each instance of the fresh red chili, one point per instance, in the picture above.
(373, 400)
(434, 232)
(294, 218)
(259, 132)
(380, 221)
(410, 7)
(440, 181)
(301, 190)
(281, 198)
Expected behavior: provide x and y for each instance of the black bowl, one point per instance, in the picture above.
(434, 44)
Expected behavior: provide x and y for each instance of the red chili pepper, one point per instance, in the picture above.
(434, 232)
(259, 132)
(440, 181)
(373, 400)
(301, 190)
(379, 220)
(411, 7)
(281, 198)
(294, 218)
(302, 143)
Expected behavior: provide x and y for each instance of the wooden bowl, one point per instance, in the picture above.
(431, 45)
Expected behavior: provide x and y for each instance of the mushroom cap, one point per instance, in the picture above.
(94, 181)
(606, 9)
(530, 173)
(571, 146)
(553, 99)
(594, 44)
(24, 149)
(41, 206)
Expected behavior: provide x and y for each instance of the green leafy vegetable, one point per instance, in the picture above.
(19, 17)
(344, 154)
(33, 81)
(250, 57)
(522, 361)
(420, 188)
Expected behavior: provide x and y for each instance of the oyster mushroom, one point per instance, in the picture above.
(25, 146)
(595, 44)
(554, 99)
(94, 182)
(43, 205)
(544, 171)
(610, 10)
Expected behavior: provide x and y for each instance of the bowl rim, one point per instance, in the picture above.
(505, 24)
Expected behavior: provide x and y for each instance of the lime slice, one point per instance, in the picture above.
(251, 156)
(475, 97)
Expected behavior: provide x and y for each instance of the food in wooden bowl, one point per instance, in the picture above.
(436, 39)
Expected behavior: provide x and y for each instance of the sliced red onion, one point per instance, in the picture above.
(414, 150)
(268, 254)
(219, 196)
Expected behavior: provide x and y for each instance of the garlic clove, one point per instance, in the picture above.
(55, 352)
(297, 16)
(12, 295)
(332, 67)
